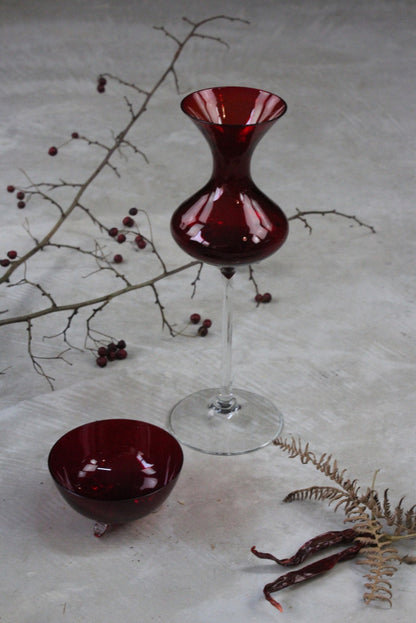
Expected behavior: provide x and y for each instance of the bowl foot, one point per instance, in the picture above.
(100, 528)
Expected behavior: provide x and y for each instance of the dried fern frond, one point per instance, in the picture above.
(410, 519)
(295, 449)
(329, 494)
(380, 591)
(403, 521)
(379, 554)
(314, 493)
(324, 463)
(408, 560)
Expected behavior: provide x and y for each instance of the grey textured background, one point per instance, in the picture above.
(335, 349)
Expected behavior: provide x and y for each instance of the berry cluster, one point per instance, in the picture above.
(111, 352)
(204, 326)
(121, 237)
(53, 150)
(11, 255)
(20, 196)
(101, 82)
(263, 298)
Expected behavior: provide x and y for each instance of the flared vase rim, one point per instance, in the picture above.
(241, 88)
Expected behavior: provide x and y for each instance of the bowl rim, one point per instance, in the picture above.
(109, 501)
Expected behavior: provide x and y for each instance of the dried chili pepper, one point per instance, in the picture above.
(322, 541)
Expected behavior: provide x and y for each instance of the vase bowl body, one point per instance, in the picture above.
(230, 221)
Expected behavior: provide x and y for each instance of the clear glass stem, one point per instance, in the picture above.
(226, 402)
(225, 420)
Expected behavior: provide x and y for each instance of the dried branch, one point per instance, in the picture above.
(120, 139)
(36, 358)
(302, 214)
(254, 282)
(131, 85)
(47, 192)
(77, 305)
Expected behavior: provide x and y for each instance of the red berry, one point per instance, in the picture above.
(267, 297)
(258, 298)
(102, 351)
(133, 211)
(74, 135)
(53, 151)
(121, 344)
(21, 204)
(4, 262)
(111, 351)
(195, 318)
(10, 188)
(128, 221)
(141, 242)
(102, 80)
(12, 255)
(20, 194)
(118, 258)
(113, 231)
(101, 88)
(207, 323)
(121, 354)
(202, 331)
(101, 361)
(121, 238)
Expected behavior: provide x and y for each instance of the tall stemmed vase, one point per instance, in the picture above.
(229, 223)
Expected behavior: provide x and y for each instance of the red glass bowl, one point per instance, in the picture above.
(115, 471)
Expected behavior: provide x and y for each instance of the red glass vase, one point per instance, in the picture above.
(229, 222)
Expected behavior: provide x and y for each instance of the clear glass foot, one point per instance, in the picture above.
(100, 528)
(244, 423)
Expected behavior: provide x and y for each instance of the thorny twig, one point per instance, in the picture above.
(302, 214)
(46, 190)
(77, 305)
(119, 140)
